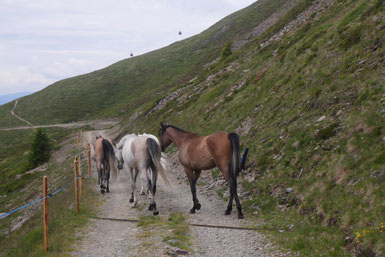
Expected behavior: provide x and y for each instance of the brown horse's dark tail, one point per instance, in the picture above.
(234, 163)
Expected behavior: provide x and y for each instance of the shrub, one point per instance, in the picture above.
(226, 52)
(351, 37)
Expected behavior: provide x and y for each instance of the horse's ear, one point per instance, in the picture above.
(161, 125)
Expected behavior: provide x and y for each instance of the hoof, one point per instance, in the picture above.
(192, 211)
(102, 190)
(108, 190)
(240, 215)
(198, 206)
(131, 200)
(227, 212)
(152, 207)
(142, 193)
(155, 213)
(133, 205)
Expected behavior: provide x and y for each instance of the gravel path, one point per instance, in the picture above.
(114, 238)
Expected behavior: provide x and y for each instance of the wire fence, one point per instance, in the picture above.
(48, 196)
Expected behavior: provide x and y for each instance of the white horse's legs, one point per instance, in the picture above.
(151, 185)
(133, 175)
(143, 180)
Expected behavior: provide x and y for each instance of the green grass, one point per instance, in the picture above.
(334, 165)
(331, 66)
(63, 220)
(173, 230)
(14, 151)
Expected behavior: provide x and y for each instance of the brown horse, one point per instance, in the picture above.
(105, 161)
(197, 153)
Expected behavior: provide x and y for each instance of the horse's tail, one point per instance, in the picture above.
(157, 159)
(109, 156)
(234, 163)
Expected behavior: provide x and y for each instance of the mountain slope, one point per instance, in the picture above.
(124, 86)
(308, 98)
(306, 94)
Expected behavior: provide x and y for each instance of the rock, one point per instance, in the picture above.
(290, 227)
(280, 231)
(181, 252)
(339, 113)
(289, 190)
(321, 118)
(362, 62)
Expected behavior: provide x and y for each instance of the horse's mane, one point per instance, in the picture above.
(175, 127)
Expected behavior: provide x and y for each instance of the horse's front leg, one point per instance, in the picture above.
(192, 178)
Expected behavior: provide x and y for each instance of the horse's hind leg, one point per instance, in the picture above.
(232, 181)
(152, 189)
(230, 205)
(108, 180)
(234, 193)
(133, 175)
(142, 180)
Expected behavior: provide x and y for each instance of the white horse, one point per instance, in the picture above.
(142, 154)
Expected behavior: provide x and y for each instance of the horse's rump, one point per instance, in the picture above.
(109, 156)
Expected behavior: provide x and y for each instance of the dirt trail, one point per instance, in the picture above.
(17, 116)
(114, 238)
(94, 124)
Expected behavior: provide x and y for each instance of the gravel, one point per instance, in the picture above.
(112, 238)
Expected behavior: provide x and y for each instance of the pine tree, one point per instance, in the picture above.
(40, 149)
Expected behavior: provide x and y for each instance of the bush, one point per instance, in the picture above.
(40, 150)
(351, 36)
(226, 52)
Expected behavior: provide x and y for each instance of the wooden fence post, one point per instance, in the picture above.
(76, 185)
(89, 158)
(81, 176)
(45, 213)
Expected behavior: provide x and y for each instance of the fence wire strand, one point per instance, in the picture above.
(48, 196)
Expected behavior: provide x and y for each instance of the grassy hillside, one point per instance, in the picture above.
(311, 108)
(307, 96)
(125, 85)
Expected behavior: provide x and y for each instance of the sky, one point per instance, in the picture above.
(43, 41)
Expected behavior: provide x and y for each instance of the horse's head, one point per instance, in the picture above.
(119, 158)
(165, 139)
